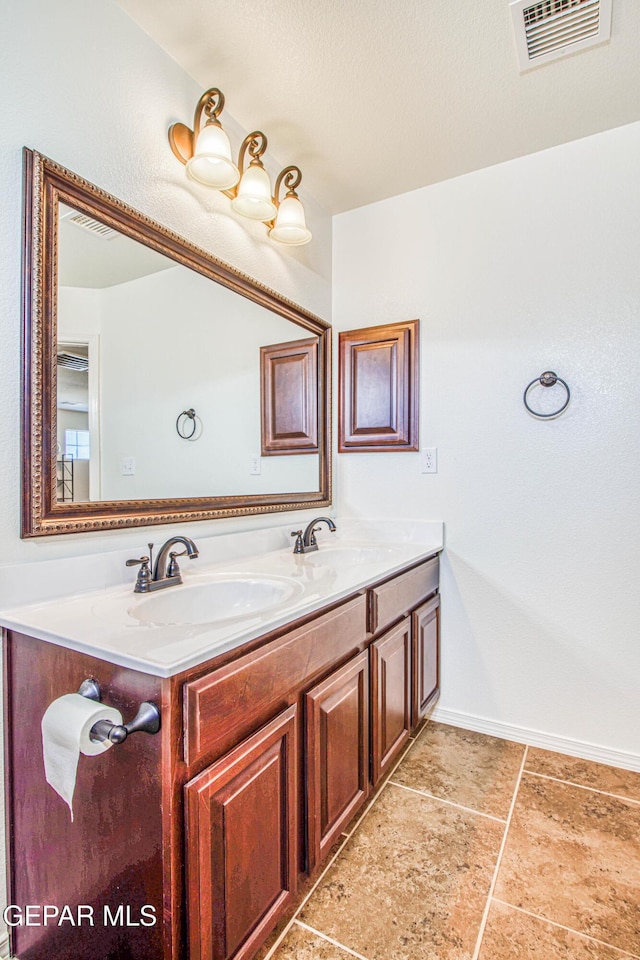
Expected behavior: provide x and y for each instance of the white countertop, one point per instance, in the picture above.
(100, 622)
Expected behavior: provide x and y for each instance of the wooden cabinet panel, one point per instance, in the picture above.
(241, 825)
(378, 397)
(111, 852)
(289, 388)
(246, 839)
(398, 596)
(391, 696)
(227, 704)
(337, 742)
(426, 657)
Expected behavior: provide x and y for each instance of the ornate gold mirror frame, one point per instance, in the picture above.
(46, 185)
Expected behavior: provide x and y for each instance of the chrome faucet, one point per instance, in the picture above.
(306, 542)
(166, 572)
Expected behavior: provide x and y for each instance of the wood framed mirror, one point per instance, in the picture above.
(141, 372)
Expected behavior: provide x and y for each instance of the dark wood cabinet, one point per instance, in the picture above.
(378, 394)
(337, 742)
(390, 696)
(289, 397)
(241, 843)
(426, 657)
(394, 598)
(264, 756)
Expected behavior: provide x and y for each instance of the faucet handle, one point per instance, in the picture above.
(298, 546)
(144, 574)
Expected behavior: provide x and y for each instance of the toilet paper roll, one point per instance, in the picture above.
(66, 725)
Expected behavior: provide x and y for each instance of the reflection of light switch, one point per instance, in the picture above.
(127, 466)
(255, 467)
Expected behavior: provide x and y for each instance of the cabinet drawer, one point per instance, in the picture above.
(227, 704)
(393, 599)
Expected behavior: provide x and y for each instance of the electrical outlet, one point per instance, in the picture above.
(429, 460)
(255, 467)
(128, 466)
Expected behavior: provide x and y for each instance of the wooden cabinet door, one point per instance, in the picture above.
(241, 827)
(337, 743)
(390, 696)
(426, 657)
(378, 388)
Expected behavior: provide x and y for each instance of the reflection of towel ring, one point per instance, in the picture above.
(181, 425)
(547, 379)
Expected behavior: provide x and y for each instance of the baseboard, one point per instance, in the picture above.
(535, 738)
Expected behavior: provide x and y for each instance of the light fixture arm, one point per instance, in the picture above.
(211, 103)
(255, 144)
(183, 140)
(292, 178)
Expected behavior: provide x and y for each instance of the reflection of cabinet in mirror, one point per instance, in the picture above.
(289, 387)
(176, 329)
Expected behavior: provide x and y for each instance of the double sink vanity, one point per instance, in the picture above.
(247, 712)
(287, 683)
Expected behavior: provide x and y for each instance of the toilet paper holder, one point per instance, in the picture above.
(146, 720)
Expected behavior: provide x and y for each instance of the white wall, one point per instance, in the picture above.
(524, 267)
(157, 359)
(84, 85)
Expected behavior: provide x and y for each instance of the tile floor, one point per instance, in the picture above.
(482, 849)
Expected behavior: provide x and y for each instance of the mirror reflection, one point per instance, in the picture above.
(140, 340)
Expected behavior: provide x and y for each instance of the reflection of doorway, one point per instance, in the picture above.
(78, 421)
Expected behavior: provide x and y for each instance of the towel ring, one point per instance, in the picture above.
(181, 425)
(547, 379)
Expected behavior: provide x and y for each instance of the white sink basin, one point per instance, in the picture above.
(352, 555)
(219, 598)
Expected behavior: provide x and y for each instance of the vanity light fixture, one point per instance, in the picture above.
(206, 153)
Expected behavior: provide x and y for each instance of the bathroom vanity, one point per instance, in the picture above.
(286, 683)
(275, 730)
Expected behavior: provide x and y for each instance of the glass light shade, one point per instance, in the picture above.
(211, 163)
(254, 194)
(290, 226)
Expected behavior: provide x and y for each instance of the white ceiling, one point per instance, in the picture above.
(372, 98)
(86, 259)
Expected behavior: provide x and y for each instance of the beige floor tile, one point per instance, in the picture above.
(573, 856)
(301, 944)
(624, 783)
(412, 882)
(511, 935)
(472, 769)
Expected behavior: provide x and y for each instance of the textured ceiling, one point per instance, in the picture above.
(372, 98)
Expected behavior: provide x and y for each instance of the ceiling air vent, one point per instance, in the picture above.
(72, 361)
(550, 29)
(88, 223)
